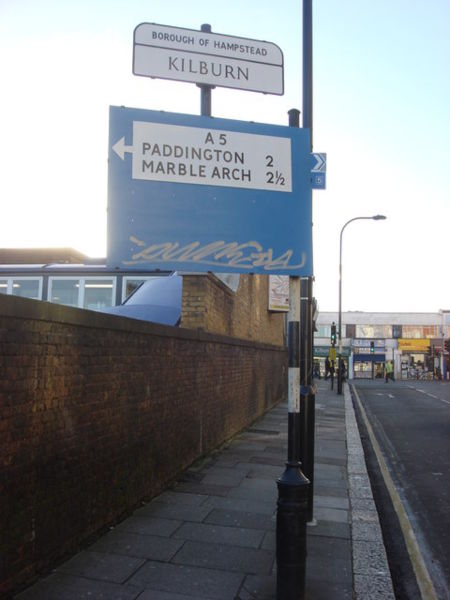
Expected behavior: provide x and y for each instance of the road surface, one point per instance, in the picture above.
(411, 424)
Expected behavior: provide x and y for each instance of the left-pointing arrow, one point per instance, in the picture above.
(120, 148)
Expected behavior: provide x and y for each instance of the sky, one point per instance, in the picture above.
(381, 95)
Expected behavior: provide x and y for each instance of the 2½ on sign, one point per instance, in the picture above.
(276, 177)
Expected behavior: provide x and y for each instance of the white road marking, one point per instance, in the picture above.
(428, 394)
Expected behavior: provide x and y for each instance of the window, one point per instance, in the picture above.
(93, 293)
(26, 287)
(98, 293)
(130, 284)
(64, 291)
(373, 331)
(324, 331)
(397, 331)
(420, 331)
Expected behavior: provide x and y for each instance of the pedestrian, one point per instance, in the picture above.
(327, 367)
(317, 369)
(332, 373)
(343, 370)
(389, 371)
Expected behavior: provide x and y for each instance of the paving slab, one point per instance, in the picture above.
(194, 487)
(192, 581)
(151, 547)
(233, 536)
(159, 595)
(238, 518)
(170, 497)
(103, 566)
(236, 504)
(149, 526)
(178, 512)
(60, 586)
(226, 558)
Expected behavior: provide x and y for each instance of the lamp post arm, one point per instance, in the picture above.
(340, 277)
(374, 218)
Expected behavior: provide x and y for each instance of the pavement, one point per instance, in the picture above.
(212, 534)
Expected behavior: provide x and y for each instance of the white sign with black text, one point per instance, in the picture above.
(207, 58)
(180, 154)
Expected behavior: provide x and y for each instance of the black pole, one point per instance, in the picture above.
(307, 68)
(307, 395)
(308, 398)
(293, 486)
(339, 381)
(205, 90)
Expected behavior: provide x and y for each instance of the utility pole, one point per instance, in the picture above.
(307, 398)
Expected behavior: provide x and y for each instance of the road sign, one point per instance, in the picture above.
(318, 171)
(204, 194)
(207, 58)
(165, 152)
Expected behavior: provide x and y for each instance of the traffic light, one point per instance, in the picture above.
(372, 347)
(333, 334)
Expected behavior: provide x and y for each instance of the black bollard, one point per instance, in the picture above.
(292, 507)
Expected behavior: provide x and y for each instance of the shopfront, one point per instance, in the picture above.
(321, 353)
(369, 357)
(413, 359)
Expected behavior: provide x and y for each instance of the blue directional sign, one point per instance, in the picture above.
(318, 171)
(193, 193)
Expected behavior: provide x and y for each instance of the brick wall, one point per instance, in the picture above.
(210, 305)
(99, 412)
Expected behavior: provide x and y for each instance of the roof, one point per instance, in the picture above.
(42, 256)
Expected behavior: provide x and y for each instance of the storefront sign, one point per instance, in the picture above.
(323, 351)
(413, 345)
(365, 343)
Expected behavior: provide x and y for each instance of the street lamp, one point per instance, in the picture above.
(374, 218)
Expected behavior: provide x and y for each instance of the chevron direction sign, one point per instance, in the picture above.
(318, 171)
(194, 193)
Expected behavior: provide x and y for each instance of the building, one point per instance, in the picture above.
(415, 342)
(236, 305)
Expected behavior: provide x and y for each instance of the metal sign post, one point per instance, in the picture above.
(205, 90)
(293, 486)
